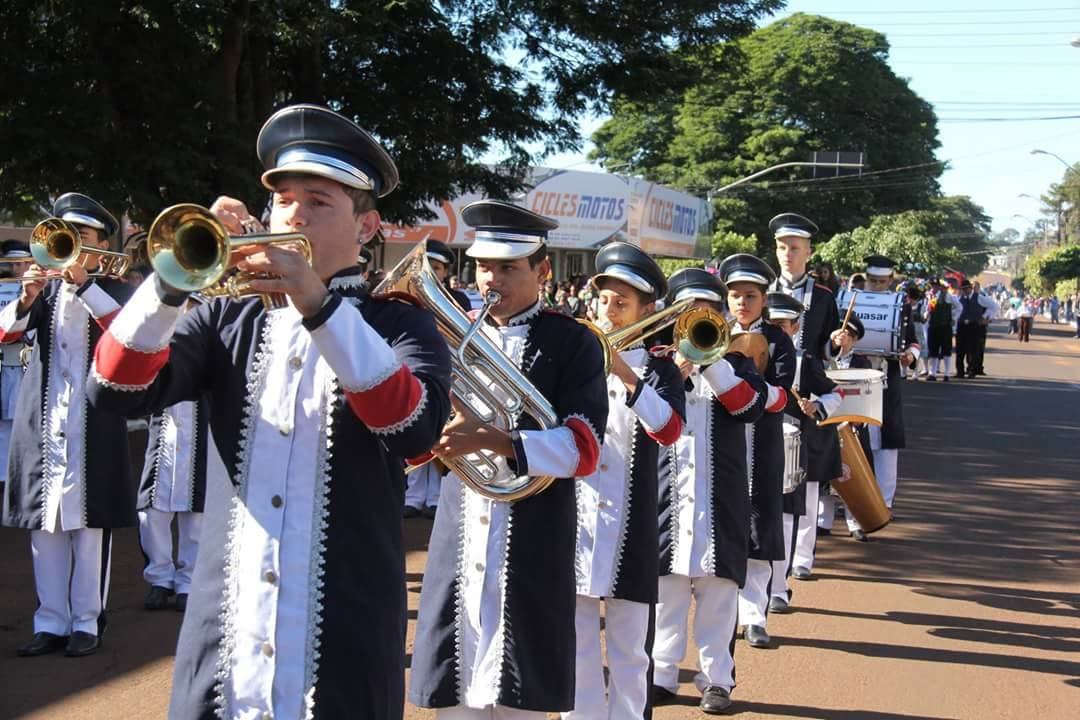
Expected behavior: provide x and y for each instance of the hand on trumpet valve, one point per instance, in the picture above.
(234, 215)
(74, 274)
(283, 270)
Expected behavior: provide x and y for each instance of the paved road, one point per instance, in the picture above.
(968, 606)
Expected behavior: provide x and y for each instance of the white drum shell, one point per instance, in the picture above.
(793, 469)
(882, 315)
(862, 393)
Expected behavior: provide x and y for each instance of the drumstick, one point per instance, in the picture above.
(850, 307)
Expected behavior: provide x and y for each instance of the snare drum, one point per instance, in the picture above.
(882, 314)
(794, 473)
(862, 394)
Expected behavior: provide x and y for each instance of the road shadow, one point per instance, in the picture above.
(953, 622)
(802, 711)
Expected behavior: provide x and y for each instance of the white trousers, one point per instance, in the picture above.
(780, 568)
(71, 574)
(5, 445)
(826, 511)
(885, 465)
(717, 612)
(423, 486)
(626, 631)
(754, 595)
(491, 712)
(155, 537)
(806, 537)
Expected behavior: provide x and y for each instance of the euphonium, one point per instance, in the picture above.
(482, 377)
(191, 250)
(55, 244)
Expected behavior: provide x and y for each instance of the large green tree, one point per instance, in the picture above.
(908, 238)
(148, 102)
(802, 84)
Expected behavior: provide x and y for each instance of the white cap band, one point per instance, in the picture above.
(80, 219)
(628, 276)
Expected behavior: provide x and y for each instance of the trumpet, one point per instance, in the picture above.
(191, 250)
(55, 244)
(701, 335)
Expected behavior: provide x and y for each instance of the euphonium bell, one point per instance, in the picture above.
(191, 250)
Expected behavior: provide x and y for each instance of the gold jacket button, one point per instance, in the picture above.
(270, 576)
(295, 363)
(276, 501)
(267, 649)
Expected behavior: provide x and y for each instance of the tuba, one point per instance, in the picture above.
(191, 250)
(482, 377)
(55, 244)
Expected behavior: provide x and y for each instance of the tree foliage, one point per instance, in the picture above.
(907, 238)
(799, 85)
(143, 103)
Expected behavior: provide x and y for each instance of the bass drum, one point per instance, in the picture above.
(882, 314)
(860, 491)
(794, 473)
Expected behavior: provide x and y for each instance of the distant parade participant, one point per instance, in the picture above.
(617, 563)
(704, 512)
(993, 312)
(747, 279)
(814, 397)
(887, 441)
(70, 480)
(297, 606)
(976, 311)
(857, 282)
(495, 635)
(15, 257)
(942, 311)
(422, 490)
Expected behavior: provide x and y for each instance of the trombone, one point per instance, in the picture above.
(55, 244)
(191, 250)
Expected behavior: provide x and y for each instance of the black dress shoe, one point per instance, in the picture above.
(43, 643)
(429, 512)
(410, 512)
(779, 605)
(757, 637)
(801, 573)
(860, 536)
(715, 700)
(662, 696)
(81, 644)
(181, 602)
(945, 379)
(931, 378)
(157, 598)
(822, 532)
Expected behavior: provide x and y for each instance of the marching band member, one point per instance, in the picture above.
(819, 334)
(298, 601)
(65, 483)
(422, 489)
(495, 635)
(173, 486)
(747, 279)
(887, 441)
(617, 563)
(942, 311)
(15, 257)
(704, 513)
(816, 401)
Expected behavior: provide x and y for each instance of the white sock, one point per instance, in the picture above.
(934, 366)
(946, 361)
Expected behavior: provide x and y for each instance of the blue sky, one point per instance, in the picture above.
(976, 60)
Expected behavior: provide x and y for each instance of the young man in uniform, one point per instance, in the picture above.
(943, 310)
(747, 279)
(617, 563)
(64, 482)
(495, 635)
(976, 311)
(298, 604)
(704, 512)
(813, 398)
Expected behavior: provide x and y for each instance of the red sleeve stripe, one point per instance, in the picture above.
(781, 401)
(671, 431)
(10, 337)
(106, 320)
(420, 460)
(390, 406)
(121, 365)
(587, 446)
(739, 398)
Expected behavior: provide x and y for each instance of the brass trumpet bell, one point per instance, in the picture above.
(701, 335)
(56, 244)
(191, 250)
